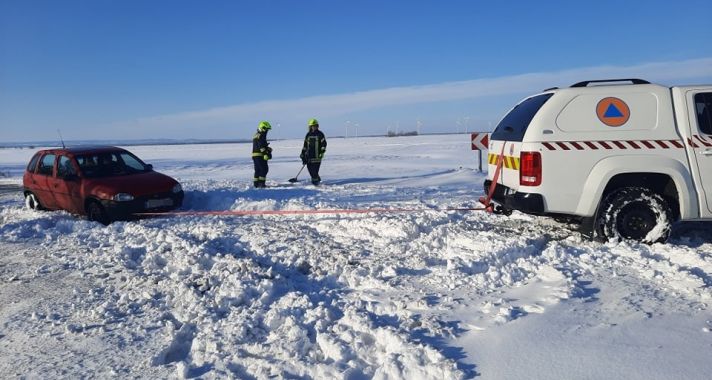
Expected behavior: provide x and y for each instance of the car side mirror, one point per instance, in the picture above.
(149, 167)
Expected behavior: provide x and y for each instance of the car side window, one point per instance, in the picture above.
(703, 107)
(109, 164)
(132, 163)
(88, 165)
(100, 165)
(65, 167)
(33, 163)
(46, 164)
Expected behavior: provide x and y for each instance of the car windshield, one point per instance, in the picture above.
(108, 164)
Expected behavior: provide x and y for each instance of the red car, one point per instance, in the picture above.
(104, 183)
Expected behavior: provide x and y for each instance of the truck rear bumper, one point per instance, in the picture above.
(529, 203)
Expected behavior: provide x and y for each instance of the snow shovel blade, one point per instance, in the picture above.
(293, 180)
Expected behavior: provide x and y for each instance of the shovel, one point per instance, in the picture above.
(292, 180)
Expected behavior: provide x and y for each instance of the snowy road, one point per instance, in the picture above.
(9, 188)
(441, 295)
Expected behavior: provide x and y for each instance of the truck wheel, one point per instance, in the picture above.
(96, 213)
(634, 213)
(31, 202)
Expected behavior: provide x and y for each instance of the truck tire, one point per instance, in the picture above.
(634, 213)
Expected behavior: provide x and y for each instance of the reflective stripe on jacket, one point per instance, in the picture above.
(260, 146)
(314, 146)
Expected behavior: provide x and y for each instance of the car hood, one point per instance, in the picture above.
(135, 184)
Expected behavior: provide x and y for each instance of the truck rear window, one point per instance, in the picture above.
(516, 122)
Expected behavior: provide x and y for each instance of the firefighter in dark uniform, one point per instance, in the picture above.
(313, 150)
(261, 153)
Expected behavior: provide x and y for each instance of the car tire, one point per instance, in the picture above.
(634, 213)
(32, 203)
(97, 213)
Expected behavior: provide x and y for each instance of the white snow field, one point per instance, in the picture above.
(418, 295)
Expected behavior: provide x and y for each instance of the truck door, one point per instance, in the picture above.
(701, 126)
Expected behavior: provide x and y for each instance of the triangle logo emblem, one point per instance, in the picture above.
(612, 111)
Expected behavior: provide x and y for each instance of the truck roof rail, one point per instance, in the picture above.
(632, 80)
(550, 88)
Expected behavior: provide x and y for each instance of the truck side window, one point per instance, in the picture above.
(46, 165)
(703, 106)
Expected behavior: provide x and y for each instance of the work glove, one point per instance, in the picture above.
(304, 158)
(321, 155)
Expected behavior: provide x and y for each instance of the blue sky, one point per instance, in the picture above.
(213, 69)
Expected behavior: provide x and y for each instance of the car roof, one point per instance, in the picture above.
(85, 149)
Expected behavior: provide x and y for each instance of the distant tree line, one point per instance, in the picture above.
(394, 134)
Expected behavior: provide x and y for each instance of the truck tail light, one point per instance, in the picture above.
(530, 169)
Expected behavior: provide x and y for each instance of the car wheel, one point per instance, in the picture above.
(96, 213)
(634, 213)
(31, 202)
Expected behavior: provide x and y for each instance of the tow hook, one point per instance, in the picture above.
(493, 207)
(499, 210)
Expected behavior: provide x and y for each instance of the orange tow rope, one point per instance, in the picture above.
(303, 212)
(487, 201)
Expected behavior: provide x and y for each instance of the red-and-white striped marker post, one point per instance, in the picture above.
(480, 142)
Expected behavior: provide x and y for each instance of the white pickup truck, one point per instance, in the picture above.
(624, 157)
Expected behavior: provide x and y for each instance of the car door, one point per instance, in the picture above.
(701, 125)
(28, 179)
(66, 185)
(40, 181)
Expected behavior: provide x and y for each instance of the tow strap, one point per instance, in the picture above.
(486, 201)
(303, 212)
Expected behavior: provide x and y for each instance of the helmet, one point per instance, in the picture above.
(264, 126)
(313, 122)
